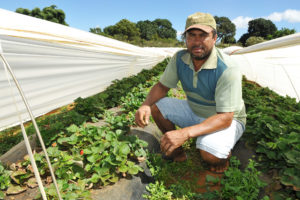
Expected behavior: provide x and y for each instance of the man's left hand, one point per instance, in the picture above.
(172, 140)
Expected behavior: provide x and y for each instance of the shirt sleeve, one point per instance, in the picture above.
(170, 77)
(228, 94)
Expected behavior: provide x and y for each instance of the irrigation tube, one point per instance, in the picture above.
(7, 67)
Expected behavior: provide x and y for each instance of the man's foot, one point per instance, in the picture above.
(181, 157)
(220, 168)
(178, 155)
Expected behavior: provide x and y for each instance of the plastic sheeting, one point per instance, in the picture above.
(274, 64)
(56, 64)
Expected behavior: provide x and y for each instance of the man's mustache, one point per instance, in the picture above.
(196, 47)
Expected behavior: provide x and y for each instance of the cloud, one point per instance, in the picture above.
(178, 34)
(292, 16)
(241, 22)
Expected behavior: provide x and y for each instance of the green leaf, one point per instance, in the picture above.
(93, 158)
(63, 140)
(114, 179)
(123, 168)
(73, 139)
(124, 149)
(2, 194)
(212, 179)
(53, 151)
(87, 151)
(134, 169)
(293, 157)
(73, 128)
(88, 167)
(140, 153)
(95, 178)
(109, 136)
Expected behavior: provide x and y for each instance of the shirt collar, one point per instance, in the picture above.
(210, 63)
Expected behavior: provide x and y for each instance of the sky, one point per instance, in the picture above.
(86, 14)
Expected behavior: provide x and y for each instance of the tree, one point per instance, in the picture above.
(244, 38)
(280, 33)
(96, 30)
(123, 30)
(50, 13)
(229, 40)
(261, 28)
(165, 29)
(225, 29)
(253, 40)
(147, 29)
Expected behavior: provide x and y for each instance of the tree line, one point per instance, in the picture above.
(160, 32)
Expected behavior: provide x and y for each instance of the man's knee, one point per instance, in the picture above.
(155, 112)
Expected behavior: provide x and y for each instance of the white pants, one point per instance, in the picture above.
(219, 143)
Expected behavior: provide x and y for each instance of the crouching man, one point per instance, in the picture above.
(214, 111)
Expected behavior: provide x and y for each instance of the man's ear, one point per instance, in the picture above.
(215, 38)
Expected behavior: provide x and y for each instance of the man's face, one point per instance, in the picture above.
(199, 43)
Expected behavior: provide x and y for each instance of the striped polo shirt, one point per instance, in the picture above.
(215, 87)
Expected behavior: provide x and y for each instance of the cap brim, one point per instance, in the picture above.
(202, 27)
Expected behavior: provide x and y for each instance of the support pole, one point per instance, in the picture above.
(8, 68)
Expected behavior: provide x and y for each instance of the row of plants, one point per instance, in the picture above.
(82, 157)
(273, 128)
(171, 182)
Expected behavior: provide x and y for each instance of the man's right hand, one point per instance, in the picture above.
(142, 116)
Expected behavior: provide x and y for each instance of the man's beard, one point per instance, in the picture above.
(205, 55)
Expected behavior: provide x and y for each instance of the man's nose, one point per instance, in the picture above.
(198, 40)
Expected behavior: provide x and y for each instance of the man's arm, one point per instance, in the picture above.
(157, 92)
(212, 124)
(174, 139)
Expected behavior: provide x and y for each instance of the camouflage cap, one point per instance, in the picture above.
(203, 21)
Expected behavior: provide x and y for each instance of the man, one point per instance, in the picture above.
(214, 111)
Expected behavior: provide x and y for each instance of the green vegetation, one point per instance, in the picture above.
(280, 33)
(273, 126)
(225, 29)
(263, 28)
(4, 180)
(157, 33)
(50, 13)
(177, 180)
(254, 40)
(160, 33)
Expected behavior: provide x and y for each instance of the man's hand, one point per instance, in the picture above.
(142, 116)
(172, 140)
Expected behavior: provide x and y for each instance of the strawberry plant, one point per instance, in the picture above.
(273, 127)
(5, 180)
(242, 185)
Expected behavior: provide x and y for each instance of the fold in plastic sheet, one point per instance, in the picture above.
(274, 64)
(56, 64)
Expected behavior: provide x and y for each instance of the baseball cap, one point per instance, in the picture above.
(203, 21)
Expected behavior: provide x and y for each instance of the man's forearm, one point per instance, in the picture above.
(157, 92)
(210, 125)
